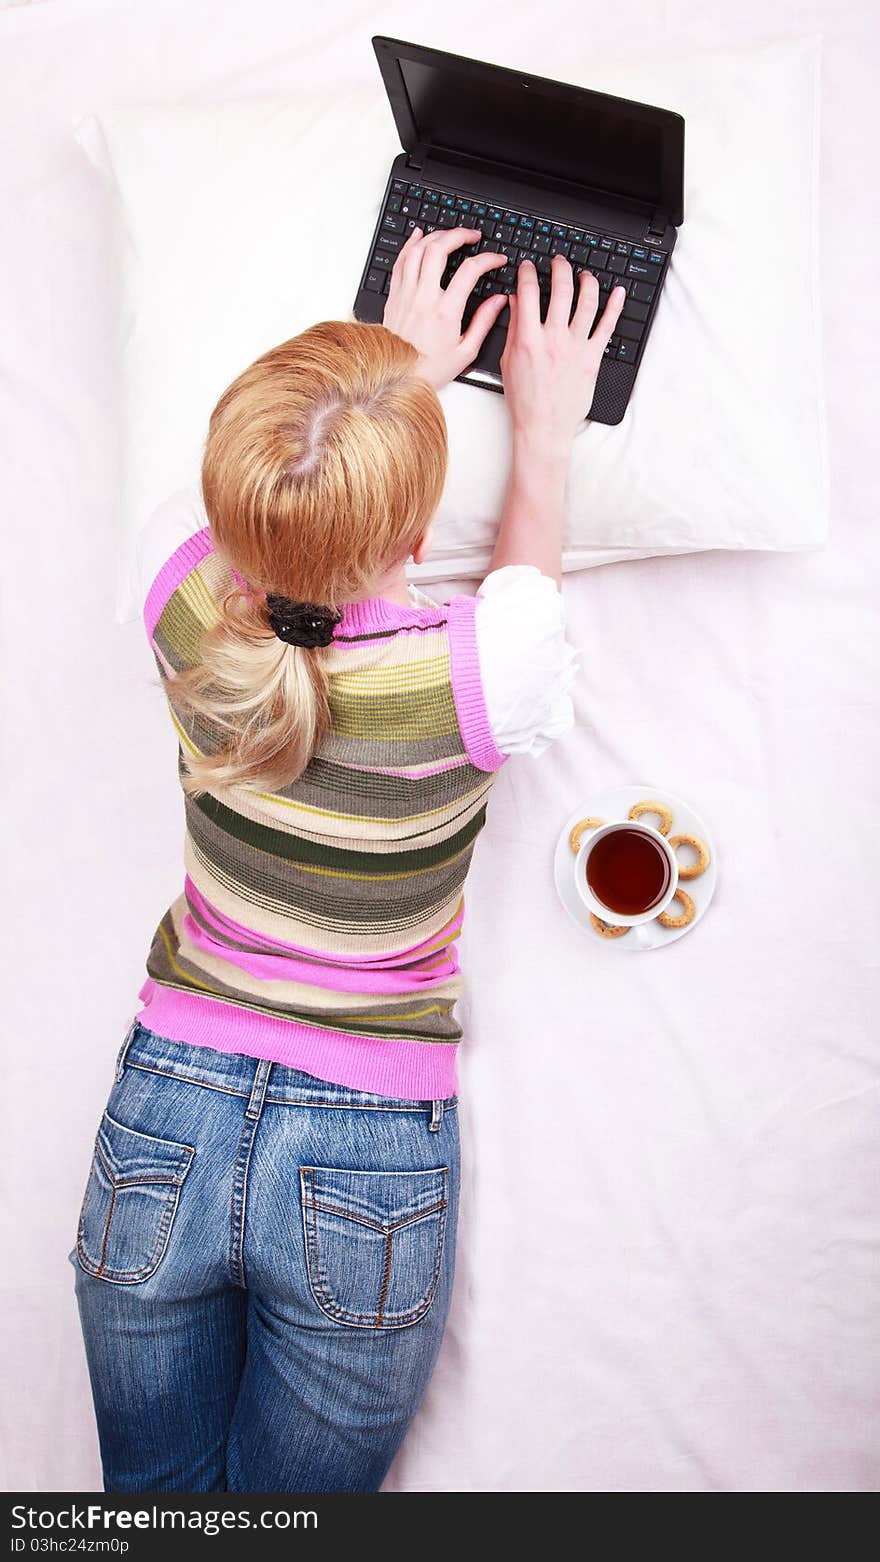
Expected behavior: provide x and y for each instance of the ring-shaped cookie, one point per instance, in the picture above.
(606, 929)
(691, 870)
(650, 806)
(577, 830)
(688, 915)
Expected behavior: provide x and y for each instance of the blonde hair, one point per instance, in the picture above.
(323, 465)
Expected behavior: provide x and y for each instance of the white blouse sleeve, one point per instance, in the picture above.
(526, 663)
(170, 524)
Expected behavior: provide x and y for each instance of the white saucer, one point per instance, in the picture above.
(614, 805)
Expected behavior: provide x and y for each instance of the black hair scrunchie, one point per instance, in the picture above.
(301, 623)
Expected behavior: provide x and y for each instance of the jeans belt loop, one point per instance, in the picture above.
(121, 1054)
(258, 1092)
(436, 1115)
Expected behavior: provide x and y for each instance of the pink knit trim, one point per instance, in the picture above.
(371, 615)
(181, 563)
(412, 1070)
(467, 684)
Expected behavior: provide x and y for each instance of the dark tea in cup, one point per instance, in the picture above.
(628, 871)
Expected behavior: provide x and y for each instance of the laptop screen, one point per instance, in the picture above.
(587, 138)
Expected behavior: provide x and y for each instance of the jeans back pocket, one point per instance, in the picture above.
(374, 1242)
(130, 1202)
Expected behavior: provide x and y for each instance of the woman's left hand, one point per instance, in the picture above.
(429, 316)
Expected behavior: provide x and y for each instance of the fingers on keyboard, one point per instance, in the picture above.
(521, 236)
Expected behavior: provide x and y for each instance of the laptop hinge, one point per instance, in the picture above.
(416, 158)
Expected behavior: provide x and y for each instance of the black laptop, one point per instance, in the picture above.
(540, 168)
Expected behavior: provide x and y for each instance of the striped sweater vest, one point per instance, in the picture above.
(317, 925)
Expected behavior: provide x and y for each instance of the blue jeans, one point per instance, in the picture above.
(264, 1264)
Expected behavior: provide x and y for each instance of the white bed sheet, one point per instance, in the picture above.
(668, 1274)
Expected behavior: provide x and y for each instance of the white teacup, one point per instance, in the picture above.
(620, 918)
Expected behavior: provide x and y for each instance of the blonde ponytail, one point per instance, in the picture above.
(324, 463)
(267, 699)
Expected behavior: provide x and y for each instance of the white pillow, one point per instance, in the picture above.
(230, 216)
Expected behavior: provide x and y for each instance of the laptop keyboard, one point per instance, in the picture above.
(521, 235)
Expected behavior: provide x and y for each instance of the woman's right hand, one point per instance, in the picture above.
(549, 370)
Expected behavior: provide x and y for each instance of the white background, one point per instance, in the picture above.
(668, 1274)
